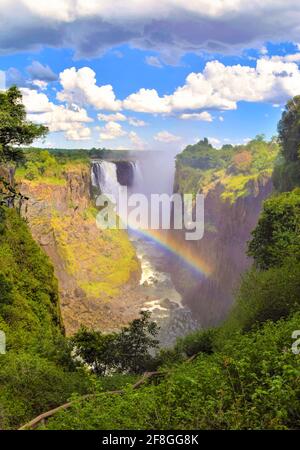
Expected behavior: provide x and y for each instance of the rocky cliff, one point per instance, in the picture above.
(96, 269)
(228, 226)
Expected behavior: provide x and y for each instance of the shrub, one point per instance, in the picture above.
(267, 295)
(30, 385)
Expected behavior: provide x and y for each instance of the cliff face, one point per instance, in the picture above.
(228, 226)
(96, 269)
(125, 173)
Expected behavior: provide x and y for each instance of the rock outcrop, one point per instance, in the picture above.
(223, 247)
(96, 269)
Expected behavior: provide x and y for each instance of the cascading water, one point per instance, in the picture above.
(104, 177)
(156, 287)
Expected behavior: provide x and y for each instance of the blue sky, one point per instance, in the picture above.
(149, 76)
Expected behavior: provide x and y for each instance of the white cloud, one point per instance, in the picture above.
(165, 136)
(79, 86)
(78, 134)
(204, 116)
(111, 130)
(118, 117)
(293, 57)
(222, 87)
(42, 85)
(60, 118)
(148, 101)
(36, 102)
(153, 61)
(136, 122)
(71, 119)
(221, 118)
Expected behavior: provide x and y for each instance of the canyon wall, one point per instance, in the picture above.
(228, 226)
(97, 270)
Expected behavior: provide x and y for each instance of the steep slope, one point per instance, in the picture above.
(36, 372)
(96, 269)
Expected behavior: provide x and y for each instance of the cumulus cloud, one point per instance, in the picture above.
(147, 101)
(204, 116)
(171, 27)
(60, 118)
(79, 87)
(111, 130)
(42, 85)
(71, 120)
(166, 137)
(136, 122)
(38, 71)
(222, 87)
(118, 117)
(78, 134)
(36, 102)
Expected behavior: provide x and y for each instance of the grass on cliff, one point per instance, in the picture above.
(42, 166)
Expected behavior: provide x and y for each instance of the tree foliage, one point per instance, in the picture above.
(277, 234)
(15, 130)
(127, 351)
(289, 130)
(287, 170)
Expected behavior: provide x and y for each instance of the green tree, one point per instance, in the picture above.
(126, 351)
(15, 130)
(134, 342)
(277, 234)
(289, 130)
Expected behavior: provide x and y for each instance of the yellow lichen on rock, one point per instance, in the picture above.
(95, 268)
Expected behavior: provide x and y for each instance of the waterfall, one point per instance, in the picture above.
(104, 177)
(146, 175)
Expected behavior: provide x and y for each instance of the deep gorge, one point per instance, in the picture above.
(62, 220)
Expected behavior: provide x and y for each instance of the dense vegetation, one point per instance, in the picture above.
(37, 372)
(287, 172)
(127, 351)
(201, 165)
(252, 382)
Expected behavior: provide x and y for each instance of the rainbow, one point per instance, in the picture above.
(168, 242)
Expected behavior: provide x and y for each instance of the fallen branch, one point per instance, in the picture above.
(42, 417)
